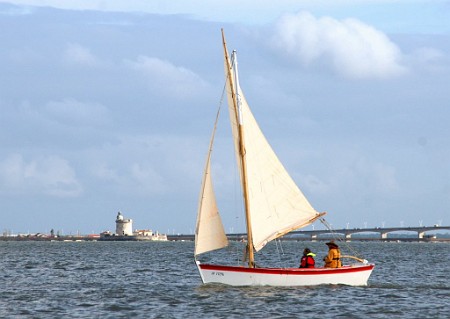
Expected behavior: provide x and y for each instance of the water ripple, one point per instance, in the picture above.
(160, 280)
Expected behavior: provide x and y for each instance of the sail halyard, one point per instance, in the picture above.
(209, 231)
(236, 115)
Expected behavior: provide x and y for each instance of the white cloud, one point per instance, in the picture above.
(133, 178)
(76, 113)
(147, 165)
(429, 60)
(77, 54)
(147, 178)
(16, 11)
(168, 78)
(104, 172)
(353, 49)
(49, 175)
(425, 54)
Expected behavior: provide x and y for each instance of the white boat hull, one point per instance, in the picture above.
(356, 275)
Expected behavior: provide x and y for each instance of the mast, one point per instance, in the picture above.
(250, 251)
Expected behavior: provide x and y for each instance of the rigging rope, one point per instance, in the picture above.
(280, 251)
(339, 238)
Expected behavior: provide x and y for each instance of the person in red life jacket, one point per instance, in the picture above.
(307, 260)
(333, 259)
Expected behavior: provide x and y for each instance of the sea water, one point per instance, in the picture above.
(160, 280)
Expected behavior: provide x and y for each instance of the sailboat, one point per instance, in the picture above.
(273, 205)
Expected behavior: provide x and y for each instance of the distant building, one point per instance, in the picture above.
(148, 234)
(124, 231)
(124, 227)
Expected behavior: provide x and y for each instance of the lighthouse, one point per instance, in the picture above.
(124, 227)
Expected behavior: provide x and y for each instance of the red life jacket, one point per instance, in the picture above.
(307, 262)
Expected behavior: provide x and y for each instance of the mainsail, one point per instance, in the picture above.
(275, 203)
(209, 233)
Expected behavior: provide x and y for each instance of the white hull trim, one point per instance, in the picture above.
(356, 275)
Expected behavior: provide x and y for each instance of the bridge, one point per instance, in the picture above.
(382, 233)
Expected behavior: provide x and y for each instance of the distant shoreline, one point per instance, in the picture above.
(79, 238)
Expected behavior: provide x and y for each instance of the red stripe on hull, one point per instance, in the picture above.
(289, 271)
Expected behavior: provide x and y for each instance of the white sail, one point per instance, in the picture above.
(275, 203)
(209, 233)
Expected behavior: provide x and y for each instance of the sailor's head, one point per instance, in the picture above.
(331, 244)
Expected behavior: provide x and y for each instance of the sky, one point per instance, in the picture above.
(108, 106)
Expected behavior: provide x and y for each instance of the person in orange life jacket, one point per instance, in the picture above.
(333, 259)
(307, 260)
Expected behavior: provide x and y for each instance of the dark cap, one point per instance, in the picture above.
(332, 244)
